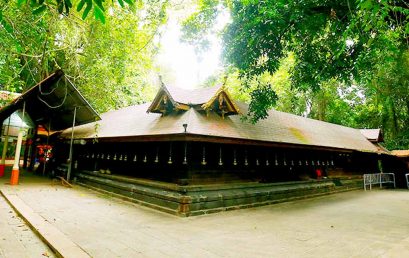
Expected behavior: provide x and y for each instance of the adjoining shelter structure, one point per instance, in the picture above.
(400, 165)
(189, 152)
(54, 104)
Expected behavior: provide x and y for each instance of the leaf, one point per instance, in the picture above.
(99, 14)
(99, 4)
(80, 5)
(60, 6)
(39, 10)
(87, 9)
(366, 4)
(68, 5)
(121, 3)
(21, 2)
(19, 48)
(5, 25)
(130, 2)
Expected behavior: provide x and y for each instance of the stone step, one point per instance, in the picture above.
(202, 199)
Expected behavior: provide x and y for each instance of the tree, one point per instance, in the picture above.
(329, 32)
(330, 39)
(350, 57)
(110, 63)
(64, 6)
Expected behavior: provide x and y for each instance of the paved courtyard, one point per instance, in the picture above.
(352, 224)
(16, 238)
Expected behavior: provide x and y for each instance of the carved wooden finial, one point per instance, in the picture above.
(161, 81)
(225, 80)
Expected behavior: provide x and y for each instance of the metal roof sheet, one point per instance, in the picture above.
(53, 98)
(16, 120)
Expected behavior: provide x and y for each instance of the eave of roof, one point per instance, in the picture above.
(400, 153)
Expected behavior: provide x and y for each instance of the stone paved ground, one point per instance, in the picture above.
(16, 238)
(352, 224)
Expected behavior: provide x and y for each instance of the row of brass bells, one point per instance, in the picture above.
(123, 157)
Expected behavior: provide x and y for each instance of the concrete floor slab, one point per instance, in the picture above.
(352, 224)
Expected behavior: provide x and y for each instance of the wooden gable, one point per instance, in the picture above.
(164, 103)
(207, 99)
(221, 103)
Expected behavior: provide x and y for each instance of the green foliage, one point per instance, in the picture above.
(65, 6)
(263, 99)
(200, 23)
(22, 36)
(350, 58)
(110, 63)
(397, 142)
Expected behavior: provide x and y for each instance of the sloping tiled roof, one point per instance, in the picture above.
(279, 127)
(374, 135)
(193, 97)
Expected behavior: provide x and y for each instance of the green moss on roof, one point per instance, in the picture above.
(299, 135)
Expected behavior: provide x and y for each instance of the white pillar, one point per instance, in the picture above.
(15, 172)
(18, 150)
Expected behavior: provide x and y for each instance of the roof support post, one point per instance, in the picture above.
(26, 150)
(48, 139)
(15, 173)
(5, 145)
(33, 149)
(71, 142)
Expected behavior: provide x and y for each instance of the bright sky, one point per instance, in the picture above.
(181, 64)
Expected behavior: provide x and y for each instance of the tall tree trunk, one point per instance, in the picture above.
(322, 106)
(407, 113)
(394, 117)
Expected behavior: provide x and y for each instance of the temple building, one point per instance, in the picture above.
(191, 152)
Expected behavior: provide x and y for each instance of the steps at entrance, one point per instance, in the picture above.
(201, 199)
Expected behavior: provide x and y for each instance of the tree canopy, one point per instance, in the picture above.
(111, 62)
(350, 57)
(341, 61)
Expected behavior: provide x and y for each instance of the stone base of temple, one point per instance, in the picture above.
(203, 199)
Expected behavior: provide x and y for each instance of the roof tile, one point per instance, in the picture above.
(279, 127)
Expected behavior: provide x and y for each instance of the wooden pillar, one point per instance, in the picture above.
(48, 138)
(186, 176)
(71, 142)
(33, 149)
(26, 151)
